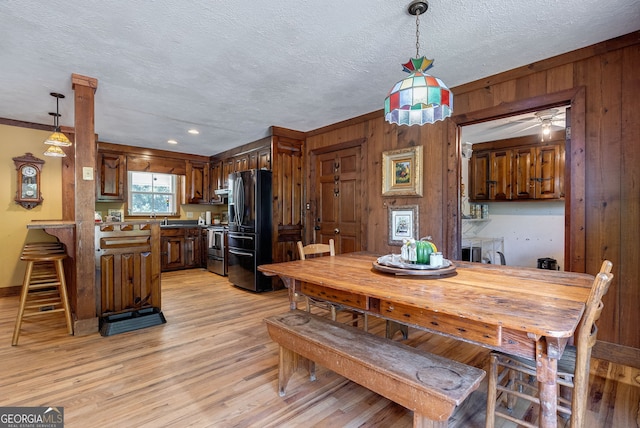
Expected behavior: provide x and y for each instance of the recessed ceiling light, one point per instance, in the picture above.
(193, 131)
(172, 142)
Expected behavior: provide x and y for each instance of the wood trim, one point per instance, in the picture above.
(132, 150)
(618, 354)
(516, 107)
(79, 79)
(553, 62)
(11, 291)
(23, 124)
(575, 192)
(241, 150)
(338, 146)
(277, 131)
(452, 206)
(349, 122)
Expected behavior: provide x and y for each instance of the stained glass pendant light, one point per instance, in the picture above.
(57, 139)
(419, 98)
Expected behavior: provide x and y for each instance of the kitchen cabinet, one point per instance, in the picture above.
(127, 265)
(479, 176)
(172, 249)
(500, 174)
(527, 172)
(227, 168)
(182, 248)
(241, 162)
(215, 177)
(264, 158)
(111, 171)
(549, 172)
(197, 182)
(192, 248)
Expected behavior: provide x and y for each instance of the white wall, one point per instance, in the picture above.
(531, 230)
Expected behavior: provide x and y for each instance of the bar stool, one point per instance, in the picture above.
(44, 289)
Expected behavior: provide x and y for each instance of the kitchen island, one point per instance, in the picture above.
(127, 262)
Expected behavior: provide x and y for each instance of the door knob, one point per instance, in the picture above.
(336, 230)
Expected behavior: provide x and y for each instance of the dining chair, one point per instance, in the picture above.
(320, 250)
(511, 378)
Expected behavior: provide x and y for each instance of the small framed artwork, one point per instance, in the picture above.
(115, 215)
(403, 223)
(402, 172)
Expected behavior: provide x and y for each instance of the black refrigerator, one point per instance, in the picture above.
(250, 219)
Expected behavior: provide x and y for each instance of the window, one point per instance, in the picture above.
(152, 193)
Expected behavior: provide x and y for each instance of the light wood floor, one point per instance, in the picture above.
(213, 365)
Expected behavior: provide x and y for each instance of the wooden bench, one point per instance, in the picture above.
(429, 385)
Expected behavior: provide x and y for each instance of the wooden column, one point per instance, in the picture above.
(85, 200)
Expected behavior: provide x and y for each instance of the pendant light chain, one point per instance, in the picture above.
(418, 34)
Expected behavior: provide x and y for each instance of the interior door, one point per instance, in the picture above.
(338, 184)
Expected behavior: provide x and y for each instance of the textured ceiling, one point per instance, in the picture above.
(232, 69)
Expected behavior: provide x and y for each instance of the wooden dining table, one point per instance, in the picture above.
(520, 311)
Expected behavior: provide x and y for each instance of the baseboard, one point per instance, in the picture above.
(618, 354)
(10, 291)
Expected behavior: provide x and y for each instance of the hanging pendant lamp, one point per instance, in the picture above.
(57, 139)
(419, 98)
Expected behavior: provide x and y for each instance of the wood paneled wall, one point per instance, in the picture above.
(605, 167)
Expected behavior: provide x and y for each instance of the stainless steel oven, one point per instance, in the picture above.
(217, 250)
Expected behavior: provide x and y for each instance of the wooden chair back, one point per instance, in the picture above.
(585, 340)
(316, 250)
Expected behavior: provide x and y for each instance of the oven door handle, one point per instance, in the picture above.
(241, 237)
(240, 253)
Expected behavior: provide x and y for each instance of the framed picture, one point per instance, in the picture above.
(402, 172)
(403, 223)
(116, 215)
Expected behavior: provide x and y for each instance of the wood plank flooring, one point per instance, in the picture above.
(213, 365)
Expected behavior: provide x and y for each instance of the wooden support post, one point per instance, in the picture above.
(85, 200)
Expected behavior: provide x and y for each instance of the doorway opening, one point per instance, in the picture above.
(574, 168)
(526, 226)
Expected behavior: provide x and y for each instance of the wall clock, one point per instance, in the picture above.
(28, 180)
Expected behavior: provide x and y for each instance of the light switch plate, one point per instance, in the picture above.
(87, 173)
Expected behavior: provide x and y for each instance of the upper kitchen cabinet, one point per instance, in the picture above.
(215, 177)
(111, 176)
(517, 169)
(256, 155)
(264, 158)
(197, 182)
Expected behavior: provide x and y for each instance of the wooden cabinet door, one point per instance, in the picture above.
(500, 175)
(215, 177)
(241, 163)
(524, 172)
(192, 249)
(172, 252)
(127, 267)
(548, 171)
(479, 176)
(197, 185)
(111, 174)
(227, 168)
(264, 158)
